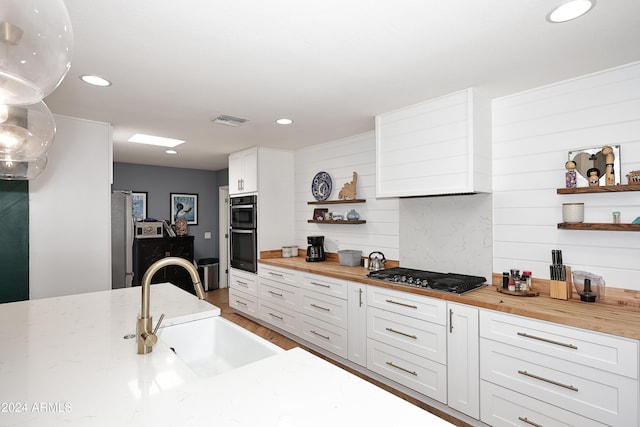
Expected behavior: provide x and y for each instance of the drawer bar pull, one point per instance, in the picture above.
(402, 369)
(527, 374)
(241, 303)
(320, 284)
(533, 337)
(277, 317)
(321, 308)
(402, 333)
(526, 420)
(401, 303)
(240, 282)
(276, 274)
(320, 335)
(275, 293)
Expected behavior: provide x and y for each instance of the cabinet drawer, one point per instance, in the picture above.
(424, 339)
(323, 334)
(325, 307)
(327, 285)
(245, 282)
(418, 306)
(417, 373)
(501, 407)
(283, 318)
(243, 302)
(279, 293)
(592, 349)
(283, 275)
(590, 392)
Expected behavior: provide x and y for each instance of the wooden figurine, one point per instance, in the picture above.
(570, 175)
(348, 191)
(610, 174)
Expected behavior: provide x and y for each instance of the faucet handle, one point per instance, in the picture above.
(155, 330)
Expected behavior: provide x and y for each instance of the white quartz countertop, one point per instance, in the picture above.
(65, 361)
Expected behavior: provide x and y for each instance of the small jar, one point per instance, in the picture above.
(616, 217)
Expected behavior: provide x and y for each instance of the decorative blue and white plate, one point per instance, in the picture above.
(321, 186)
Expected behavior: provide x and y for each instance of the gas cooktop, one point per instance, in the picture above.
(448, 282)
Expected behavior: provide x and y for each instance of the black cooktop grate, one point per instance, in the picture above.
(448, 282)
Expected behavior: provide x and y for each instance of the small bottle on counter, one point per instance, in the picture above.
(526, 277)
(616, 217)
(505, 280)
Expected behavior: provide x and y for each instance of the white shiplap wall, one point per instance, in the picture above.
(532, 133)
(340, 159)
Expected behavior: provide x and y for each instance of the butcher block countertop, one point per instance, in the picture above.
(618, 314)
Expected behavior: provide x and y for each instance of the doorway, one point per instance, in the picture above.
(223, 232)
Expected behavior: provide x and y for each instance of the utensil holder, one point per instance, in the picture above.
(561, 289)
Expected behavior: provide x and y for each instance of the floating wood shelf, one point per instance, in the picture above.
(599, 226)
(602, 189)
(337, 202)
(333, 221)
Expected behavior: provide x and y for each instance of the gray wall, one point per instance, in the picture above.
(159, 182)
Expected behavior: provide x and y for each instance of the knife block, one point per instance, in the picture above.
(561, 289)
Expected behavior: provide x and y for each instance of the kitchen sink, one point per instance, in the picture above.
(215, 345)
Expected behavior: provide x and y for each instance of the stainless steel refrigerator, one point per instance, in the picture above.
(121, 239)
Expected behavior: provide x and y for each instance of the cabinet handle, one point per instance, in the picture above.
(240, 282)
(321, 308)
(320, 284)
(527, 374)
(450, 321)
(402, 333)
(526, 420)
(402, 369)
(360, 292)
(275, 293)
(277, 317)
(276, 274)
(533, 337)
(241, 303)
(401, 303)
(320, 335)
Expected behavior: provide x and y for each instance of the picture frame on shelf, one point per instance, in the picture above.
(184, 205)
(139, 200)
(320, 214)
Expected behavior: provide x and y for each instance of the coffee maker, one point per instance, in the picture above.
(315, 248)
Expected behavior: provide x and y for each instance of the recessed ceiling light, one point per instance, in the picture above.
(155, 140)
(171, 152)
(284, 121)
(570, 10)
(95, 80)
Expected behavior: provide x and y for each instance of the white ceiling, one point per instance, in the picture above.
(330, 65)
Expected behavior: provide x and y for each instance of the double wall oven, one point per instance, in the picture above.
(243, 233)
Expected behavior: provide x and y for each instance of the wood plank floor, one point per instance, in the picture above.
(220, 298)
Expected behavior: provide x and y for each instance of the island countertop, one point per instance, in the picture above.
(619, 315)
(65, 361)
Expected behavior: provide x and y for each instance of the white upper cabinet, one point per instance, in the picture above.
(441, 146)
(243, 171)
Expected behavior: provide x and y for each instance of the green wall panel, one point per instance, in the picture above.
(14, 241)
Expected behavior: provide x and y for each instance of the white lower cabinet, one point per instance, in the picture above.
(279, 298)
(407, 340)
(582, 374)
(357, 323)
(463, 363)
(243, 292)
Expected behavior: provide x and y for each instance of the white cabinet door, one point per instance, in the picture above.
(243, 171)
(441, 146)
(357, 329)
(463, 360)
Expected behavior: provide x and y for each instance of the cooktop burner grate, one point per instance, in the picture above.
(448, 282)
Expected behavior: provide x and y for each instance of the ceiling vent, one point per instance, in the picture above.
(229, 120)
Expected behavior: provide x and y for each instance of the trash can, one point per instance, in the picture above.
(208, 271)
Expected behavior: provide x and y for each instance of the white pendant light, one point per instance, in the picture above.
(26, 132)
(36, 43)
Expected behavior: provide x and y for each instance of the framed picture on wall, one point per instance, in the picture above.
(139, 203)
(184, 206)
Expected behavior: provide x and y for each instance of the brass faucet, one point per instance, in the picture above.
(145, 337)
